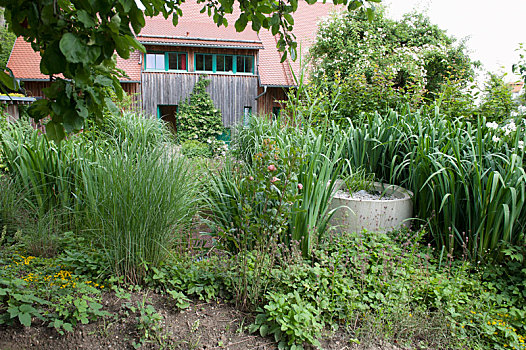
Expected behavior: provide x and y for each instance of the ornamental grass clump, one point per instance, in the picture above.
(138, 207)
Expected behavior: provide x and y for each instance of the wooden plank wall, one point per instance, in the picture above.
(230, 93)
(272, 98)
(34, 88)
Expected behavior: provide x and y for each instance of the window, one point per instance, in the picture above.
(176, 61)
(218, 63)
(155, 61)
(224, 63)
(204, 62)
(244, 64)
(247, 112)
(165, 61)
(276, 111)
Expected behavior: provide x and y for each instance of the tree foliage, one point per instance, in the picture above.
(77, 40)
(383, 62)
(497, 102)
(7, 39)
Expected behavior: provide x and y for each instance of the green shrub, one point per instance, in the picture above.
(193, 148)
(198, 119)
(310, 160)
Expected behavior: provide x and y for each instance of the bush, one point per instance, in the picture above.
(198, 119)
(192, 149)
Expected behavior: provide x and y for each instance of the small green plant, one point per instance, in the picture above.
(33, 287)
(194, 148)
(291, 319)
(359, 180)
(149, 324)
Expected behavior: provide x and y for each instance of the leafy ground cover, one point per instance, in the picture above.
(360, 289)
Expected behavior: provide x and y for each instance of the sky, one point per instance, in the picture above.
(493, 29)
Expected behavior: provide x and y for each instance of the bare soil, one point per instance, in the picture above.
(201, 326)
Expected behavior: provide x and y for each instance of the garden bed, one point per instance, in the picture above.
(203, 325)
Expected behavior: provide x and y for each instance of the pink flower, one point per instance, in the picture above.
(271, 167)
(274, 179)
(300, 187)
(251, 178)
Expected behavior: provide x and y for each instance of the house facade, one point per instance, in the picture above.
(245, 69)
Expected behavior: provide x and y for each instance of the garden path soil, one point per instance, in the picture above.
(201, 326)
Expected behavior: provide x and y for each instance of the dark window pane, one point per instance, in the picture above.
(172, 61)
(199, 62)
(223, 63)
(240, 64)
(220, 63)
(248, 64)
(208, 63)
(228, 64)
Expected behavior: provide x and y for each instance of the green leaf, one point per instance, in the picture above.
(25, 319)
(241, 22)
(354, 4)
(86, 19)
(265, 9)
(115, 23)
(39, 109)
(127, 5)
(77, 51)
(8, 80)
(122, 45)
(263, 330)
(370, 14)
(137, 19)
(53, 61)
(288, 18)
(256, 24)
(55, 131)
(135, 43)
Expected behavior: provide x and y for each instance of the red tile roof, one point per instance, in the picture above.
(197, 29)
(306, 19)
(199, 42)
(25, 63)
(194, 25)
(131, 66)
(516, 87)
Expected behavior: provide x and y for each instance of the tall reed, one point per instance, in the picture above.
(469, 189)
(47, 171)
